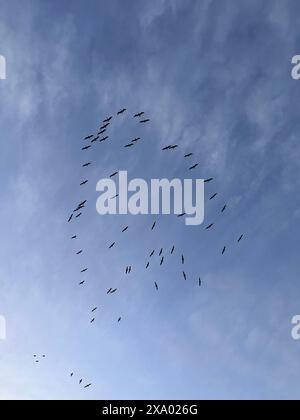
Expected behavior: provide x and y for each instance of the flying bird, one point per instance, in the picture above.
(182, 259)
(213, 196)
(80, 381)
(86, 164)
(126, 228)
(89, 137)
(114, 174)
(78, 215)
(86, 147)
(70, 218)
(152, 253)
(224, 208)
(224, 250)
(240, 238)
(88, 385)
(104, 126)
(181, 215)
(109, 291)
(103, 139)
(119, 319)
(139, 114)
(156, 286)
(95, 139)
(107, 119)
(172, 250)
(93, 320)
(82, 282)
(84, 182)
(79, 252)
(160, 252)
(84, 270)
(101, 132)
(144, 121)
(184, 275)
(194, 166)
(188, 155)
(122, 111)
(209, 226)
(74, 237)
(147, 266)
(162, 260)
(153, 226)
(112, 245)
(208, 180)
(129, 145)
(71, 374)
(95, 309)
(136, 139)
(200, 282)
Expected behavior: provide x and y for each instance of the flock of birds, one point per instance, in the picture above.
(102, 136)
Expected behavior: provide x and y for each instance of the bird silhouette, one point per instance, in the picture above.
(213, 196)
(85, 165)
(103, 139)
(224, 208)
(112, 245)
(139, 114)
(240, 238)
(224, 250)
(86, 147)
(84, 182)
(188, 155)
(125, 229)
(88, 137)
(209, 226)
(144, 121)
(114, 174)
(194, 166)
(208, 180)
(122, 111)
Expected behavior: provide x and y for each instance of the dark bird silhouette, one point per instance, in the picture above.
(79, 252)
(172, 250)
(122, 111)
(93, 320)
(115, 196)
(129, 145)
(139, 114)
(182, 259)
(160, 252)
(113, 291)
(119, 319)
(162, 260)
(156, 286)
(147, 266)
(208, 180)
(166, 148)
(89, 137)
(240, 238)
(181, 215)
(126, 228)
(78, 215)
(200, 282)
(70, 218)
(194, 166)
(188, 155)
(86, 147)
(112, 245)
(209, 226)
(144, 121)
(95, 309)
(109, 291)
(84, 270)
(213, 196)
(103, 139)
(114, 174)
(82, 282)
(84, 182)
(85, 165)
(153, 226)
(74, 237)
(224, 208)
(82, 203)
(224, 250)
(152, 253)
(108, 119)
(80, 381)
(184, 275)
(104, 126)
(136, 139)
(71, 374)
(95, 139)
(101, 132)
(88, 385)
(129, 270)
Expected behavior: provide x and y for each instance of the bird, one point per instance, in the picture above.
(119, 319)
(95, 309)
(74, 237)
(115, 196)
(80, 381)
(122, 111)
(107, 119)
(162, 261)
(86, 147)
(200, 282)
(136, 139)
(182, 259)
(184, 275)
(89, 137)
(70, 218)
(209, 226)
(188, 155)
(213, 196)
(82, 282)
(153, 226)
(147, 266)
(160, 252)
(208, 180)
(125, 229)
(114, 174)
(78, 215)
(71, 374)
(85, 165)
(93, 320)
(88, 385)
(224, 250)
(181, 215)
(109, 291)
(129, 145)
(95, 139)
(194, 166)
(84, 182)
(144, 121)
(224, 208)
(112, 245)
(139, 114)
(84, 270)
(113, 291)
(166, 148)
(172, 250)
(152, 253)
(156, 286)
(104, 126)
(129, 269)
(79, 252)
(240, 238)
(103, 139)
(101, 132)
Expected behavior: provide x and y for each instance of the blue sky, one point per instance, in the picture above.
(214, 77)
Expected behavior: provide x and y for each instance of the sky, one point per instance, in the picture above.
(215, 78)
